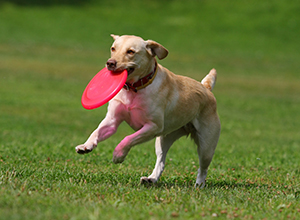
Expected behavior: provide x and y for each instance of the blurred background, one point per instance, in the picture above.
(50, 49)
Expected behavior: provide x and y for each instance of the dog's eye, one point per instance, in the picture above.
(113, 49)
(131, 52)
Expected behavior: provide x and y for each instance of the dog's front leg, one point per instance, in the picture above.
(107, 128)
(146, 133)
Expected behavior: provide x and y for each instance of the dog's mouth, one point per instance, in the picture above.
(130, 70)
(112, 66)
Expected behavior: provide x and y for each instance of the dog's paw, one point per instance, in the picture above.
(119, 155)
(200, 185)
(145, 180)
(118, 159)
(83, 149)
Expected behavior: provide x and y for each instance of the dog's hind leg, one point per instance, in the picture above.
(162, 145)
(206, 137)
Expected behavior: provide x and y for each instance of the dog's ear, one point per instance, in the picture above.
(115, 37)
(157, 49)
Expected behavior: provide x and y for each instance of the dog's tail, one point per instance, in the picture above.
(210, 79)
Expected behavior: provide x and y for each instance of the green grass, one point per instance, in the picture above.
(49, 52)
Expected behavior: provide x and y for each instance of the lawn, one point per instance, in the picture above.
(50, 51)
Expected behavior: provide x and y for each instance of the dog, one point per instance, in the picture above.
(156, 103)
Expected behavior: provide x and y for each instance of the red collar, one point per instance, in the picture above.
(143, 82)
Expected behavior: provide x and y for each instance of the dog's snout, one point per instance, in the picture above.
(111, 64)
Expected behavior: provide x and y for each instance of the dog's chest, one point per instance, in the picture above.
(136, 116)
(136, 109)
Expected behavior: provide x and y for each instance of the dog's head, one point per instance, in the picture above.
(135, 55)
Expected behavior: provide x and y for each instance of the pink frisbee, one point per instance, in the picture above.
(102, 88)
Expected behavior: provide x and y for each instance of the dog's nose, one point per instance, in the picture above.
(111, 64)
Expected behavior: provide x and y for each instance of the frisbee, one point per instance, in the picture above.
(102, 88)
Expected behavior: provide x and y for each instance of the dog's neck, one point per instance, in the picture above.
(143, 82)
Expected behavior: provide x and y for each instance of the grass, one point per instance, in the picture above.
(48, 53)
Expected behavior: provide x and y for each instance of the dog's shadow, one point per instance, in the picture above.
(211, 184)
